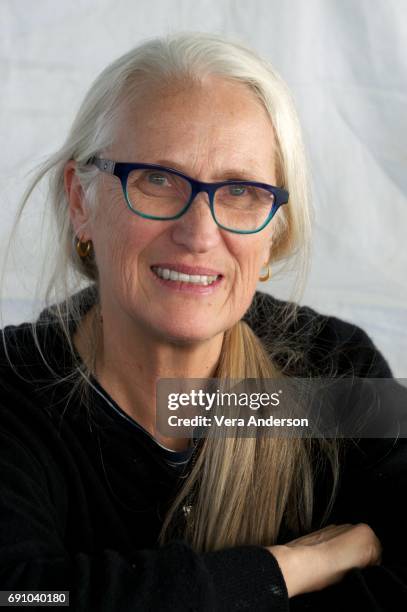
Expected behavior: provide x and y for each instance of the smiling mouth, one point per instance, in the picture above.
(193, 279)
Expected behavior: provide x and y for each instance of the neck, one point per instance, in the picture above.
(131, 361)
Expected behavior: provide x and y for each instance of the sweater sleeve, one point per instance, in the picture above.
(373, 492)
(172, 577)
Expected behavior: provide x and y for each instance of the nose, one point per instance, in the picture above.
(196, 229)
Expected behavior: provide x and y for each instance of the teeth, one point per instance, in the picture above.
(185, 278)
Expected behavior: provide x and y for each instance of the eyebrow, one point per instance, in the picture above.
(238, 174)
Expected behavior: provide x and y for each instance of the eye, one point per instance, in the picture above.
(156, 178)
(237, 190)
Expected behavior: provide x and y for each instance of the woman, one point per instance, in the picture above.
(182, 178)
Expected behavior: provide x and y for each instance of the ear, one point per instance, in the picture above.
(78, 211)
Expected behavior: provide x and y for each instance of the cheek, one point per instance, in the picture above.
(249, 253)
(130, 244)
(115, 244)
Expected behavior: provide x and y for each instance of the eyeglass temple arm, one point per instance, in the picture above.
(106, 165)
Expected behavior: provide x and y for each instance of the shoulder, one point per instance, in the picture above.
(35, 391)
(31, 344)
(310, 343)
(23, 347)
(34, 361)
(26, 340)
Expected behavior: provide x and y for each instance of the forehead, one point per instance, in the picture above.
(219, 118)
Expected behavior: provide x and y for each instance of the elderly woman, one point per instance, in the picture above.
(183, 177)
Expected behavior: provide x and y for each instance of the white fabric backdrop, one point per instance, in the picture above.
(345, 61)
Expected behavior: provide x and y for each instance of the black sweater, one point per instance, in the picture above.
(83, 496)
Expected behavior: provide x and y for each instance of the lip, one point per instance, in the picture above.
(192, 270)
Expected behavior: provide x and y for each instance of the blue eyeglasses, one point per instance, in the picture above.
(163, 194)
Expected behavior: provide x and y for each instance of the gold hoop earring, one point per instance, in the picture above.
(265, 277)
(83, 248)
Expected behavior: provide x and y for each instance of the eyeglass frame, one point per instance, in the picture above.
(123, 169)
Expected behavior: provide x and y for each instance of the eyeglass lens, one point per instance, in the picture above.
(157, 193)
